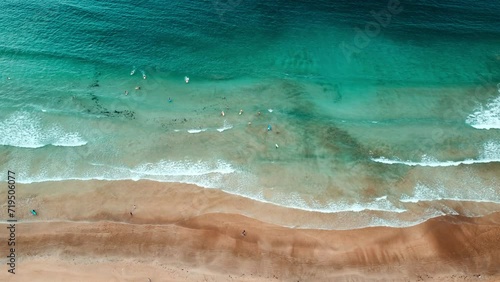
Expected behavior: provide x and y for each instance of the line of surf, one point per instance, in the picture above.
(434, 163)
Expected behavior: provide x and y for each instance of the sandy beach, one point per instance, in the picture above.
(132, 231)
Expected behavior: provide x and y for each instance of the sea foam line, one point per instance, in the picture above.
(196, 130)
(438, 192)
(434, 164)
(214, 175)
(489, 154)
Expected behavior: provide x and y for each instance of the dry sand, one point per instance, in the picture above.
(180, 232)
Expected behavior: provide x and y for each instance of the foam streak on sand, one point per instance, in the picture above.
(209, 223)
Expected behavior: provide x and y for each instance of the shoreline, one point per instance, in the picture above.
(184, 232)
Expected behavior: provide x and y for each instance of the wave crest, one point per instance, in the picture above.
(486, 117)
(24, 130)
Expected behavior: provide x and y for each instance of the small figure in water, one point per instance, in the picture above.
(222, 113)
(186, 79)
(169, 100)
(269, 128)
(137, 88)
(241, 111)
(126, 92)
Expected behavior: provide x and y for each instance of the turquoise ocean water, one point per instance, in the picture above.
(382, 115)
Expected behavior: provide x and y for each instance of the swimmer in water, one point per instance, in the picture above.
(126, 92)
(222, 113)
(169, 100)
(137, 88)
(186, 79)
(269, 128)
(143, 74)
(241, 111)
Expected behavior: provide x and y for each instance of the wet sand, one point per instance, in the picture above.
(178, 232)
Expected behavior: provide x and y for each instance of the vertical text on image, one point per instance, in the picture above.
(11, 213)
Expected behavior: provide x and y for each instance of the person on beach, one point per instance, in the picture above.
(244, 233)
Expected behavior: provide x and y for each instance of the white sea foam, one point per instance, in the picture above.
(297, 201)
(490, 154)
(184, 168)
(24, 130)
(204, 174)
(225, 127)
(437, 192)
(486, 117)
(197, 130)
